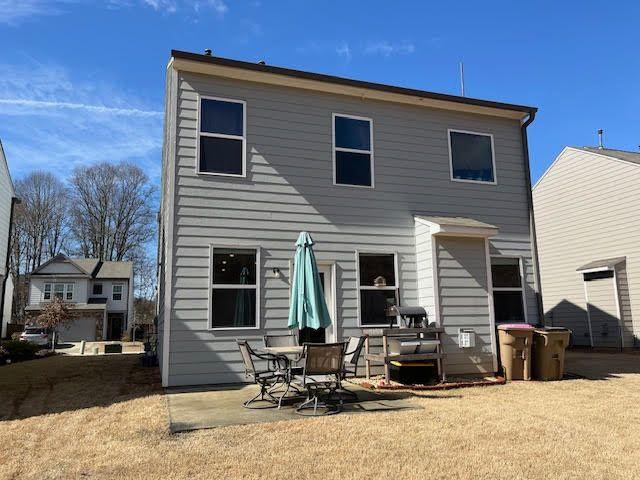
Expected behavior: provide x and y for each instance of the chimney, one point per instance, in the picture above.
(600, 144)
(207, 52)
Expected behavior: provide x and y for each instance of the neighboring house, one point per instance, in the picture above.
(587, 206)
(7, 204)
(429, 191)
(101, 294)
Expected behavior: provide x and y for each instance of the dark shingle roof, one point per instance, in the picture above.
(633, 157)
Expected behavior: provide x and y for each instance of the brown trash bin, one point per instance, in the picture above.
(549, 345)
(515, 350)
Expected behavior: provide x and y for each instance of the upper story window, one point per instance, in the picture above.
(378, 287)
(353, 150)
(63, 291)
(117, 292)
(472, 157)
(221, 137)
(234, 288)
(97, 289)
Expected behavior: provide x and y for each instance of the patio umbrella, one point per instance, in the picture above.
(308, 307)
(244, 303)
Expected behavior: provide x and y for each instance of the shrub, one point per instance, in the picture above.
(17, 351)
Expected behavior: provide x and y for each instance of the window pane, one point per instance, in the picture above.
(58, 290)
(353, 168)
(220, 155)
(97, 289)
(221, 117)
(70, 291)
(234, 267)
(352, 133)
(233, 307)
(508, 307)
(374, 304)
(505, 272)
(374, 266)
(471, 157)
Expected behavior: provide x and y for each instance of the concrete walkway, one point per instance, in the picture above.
(98, 348)
(199, 408)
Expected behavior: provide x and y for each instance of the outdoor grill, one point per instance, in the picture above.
(410, 317)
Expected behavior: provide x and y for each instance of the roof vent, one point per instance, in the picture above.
(262, 62)
(207, 52)
(600, 144)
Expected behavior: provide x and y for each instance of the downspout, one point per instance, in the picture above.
(532, 218)
(14, 201)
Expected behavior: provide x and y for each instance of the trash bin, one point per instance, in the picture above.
(549, 345)
(515, 350)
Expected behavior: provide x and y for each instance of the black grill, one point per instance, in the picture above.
(411, 317)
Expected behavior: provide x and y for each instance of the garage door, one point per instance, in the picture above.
(81, 329)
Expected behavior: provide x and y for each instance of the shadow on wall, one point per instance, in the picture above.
(605, 327)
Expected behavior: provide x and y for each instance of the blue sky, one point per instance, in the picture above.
(82, 81)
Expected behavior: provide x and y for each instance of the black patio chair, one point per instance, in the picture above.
(268, 379)
(351, 359)
(321, 377)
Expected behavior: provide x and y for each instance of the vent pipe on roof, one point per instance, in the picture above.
(207, 52)
(600, 144)
(262, 62)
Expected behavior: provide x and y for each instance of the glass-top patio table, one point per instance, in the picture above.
(288, 351)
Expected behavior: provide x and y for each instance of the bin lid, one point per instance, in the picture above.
(548, 330)
(515, 326)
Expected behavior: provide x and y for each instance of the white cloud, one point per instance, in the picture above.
(14, 12)
(343, 50)
(51, 121)
(386, 49)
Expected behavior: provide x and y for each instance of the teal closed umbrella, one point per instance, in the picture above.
(245, 301)
(308, 307)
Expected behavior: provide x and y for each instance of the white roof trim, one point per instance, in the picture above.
(482, 230)
(580, 150)
(6, 166)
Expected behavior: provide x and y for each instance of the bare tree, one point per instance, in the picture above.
(111, 214)
(54, 315)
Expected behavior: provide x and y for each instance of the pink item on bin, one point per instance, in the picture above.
(515, 326)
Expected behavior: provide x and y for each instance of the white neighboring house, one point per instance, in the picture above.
(102, 293)
(7, 202)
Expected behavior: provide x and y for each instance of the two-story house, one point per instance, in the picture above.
(7, 206)
(100, 293)
(412, 198)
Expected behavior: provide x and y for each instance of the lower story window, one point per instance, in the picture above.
(508, 291)
(378, 287)
(234, 288)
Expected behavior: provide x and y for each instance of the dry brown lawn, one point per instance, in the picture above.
(105, 417)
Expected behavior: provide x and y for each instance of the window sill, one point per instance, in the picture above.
(481, 182)
(214, 174)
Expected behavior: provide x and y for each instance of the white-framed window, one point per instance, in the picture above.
(352, 151)
(378, 287)
(116, 291)
(234, 291)
(63, 291)
(508, 289)
(472, 157)
(221, 143)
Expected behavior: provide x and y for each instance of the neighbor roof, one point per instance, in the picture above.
(347, 82)
(604, 264)
(94, 267)
(115, 270)
(633, 157)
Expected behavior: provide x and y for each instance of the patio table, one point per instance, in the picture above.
(290, 354)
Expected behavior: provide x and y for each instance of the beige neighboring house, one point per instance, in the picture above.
(587, 207)
(7, 202)
(101, 293)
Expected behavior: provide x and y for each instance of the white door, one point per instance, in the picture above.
(328, 284)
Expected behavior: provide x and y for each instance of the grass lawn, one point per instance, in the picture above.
(105, 417)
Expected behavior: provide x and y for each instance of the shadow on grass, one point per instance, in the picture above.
(63, 383)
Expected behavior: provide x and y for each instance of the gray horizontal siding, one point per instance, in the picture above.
(587, 208)
(289, 188)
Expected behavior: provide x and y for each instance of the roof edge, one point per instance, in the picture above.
(349, 82)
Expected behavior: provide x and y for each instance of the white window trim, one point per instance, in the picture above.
(65, 290)
(493, 157)
(221, 286)
(514, 289)
(352, 150)
(221, 135)
(113, 287)
(359, 287)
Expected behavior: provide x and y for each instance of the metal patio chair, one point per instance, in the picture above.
(287, 340)
(268, 379)
(351, 359)
(321, 377)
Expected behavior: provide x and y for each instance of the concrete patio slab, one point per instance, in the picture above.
(200, 408)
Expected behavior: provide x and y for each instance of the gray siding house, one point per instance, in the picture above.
(587, 206)
(7, 203)
(100, 293)
(431, 192)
